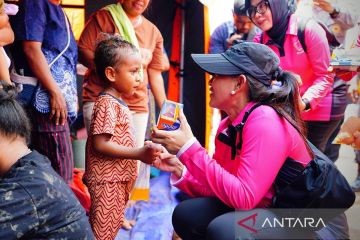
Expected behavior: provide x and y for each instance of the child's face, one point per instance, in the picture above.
(127, 74)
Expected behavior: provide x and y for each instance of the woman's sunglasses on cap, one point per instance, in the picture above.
(260, 8)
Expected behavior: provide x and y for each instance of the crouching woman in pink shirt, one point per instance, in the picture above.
(241, 174)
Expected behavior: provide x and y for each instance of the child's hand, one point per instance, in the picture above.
(150, 152)
(169, 163)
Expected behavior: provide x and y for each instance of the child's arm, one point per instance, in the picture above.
(6, 33)
(4, 71)
(146, 154)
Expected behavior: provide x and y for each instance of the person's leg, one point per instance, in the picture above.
(192, 217)
(107, 209)
(318, 132)
(332, 150)
(87, 113)
(54, 142)
(335, 229)
(356, 184)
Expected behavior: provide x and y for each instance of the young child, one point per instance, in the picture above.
(111, 167)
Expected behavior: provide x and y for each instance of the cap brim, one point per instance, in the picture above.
(216, 64)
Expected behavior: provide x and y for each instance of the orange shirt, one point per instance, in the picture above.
(149, 38)
(110, 116)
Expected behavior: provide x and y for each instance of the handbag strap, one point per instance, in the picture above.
(290, 168)
(240, 126)
(68, 40)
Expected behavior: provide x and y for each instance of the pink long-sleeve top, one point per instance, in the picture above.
(312, 66)
(247, 181)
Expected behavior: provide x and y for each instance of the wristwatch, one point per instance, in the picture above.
(335, 12)
(307, 105)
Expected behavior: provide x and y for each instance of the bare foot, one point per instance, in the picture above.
(128, 224)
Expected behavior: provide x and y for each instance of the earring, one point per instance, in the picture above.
(232, 92)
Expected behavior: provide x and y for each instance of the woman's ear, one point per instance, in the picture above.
(110, 74)
(241, 80)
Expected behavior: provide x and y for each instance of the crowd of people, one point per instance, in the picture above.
(270, 61)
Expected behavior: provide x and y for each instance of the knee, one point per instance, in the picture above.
(223, 227)
(216, 230)
(180, 217)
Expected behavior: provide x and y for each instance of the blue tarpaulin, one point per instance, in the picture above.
(153, 218)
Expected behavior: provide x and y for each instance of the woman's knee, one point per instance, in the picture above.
(222, 227)
(192, 217)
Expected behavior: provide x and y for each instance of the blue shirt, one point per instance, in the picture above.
(35, 203)
(45, 22)
(218, 38)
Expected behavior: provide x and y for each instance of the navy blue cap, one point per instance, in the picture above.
(255, 59)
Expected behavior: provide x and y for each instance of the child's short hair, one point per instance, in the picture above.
(13, 118)
(110, 50)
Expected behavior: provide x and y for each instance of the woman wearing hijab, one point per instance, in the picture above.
(277, 20)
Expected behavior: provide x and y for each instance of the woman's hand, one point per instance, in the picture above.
(58, 107)
(169, 163)
(173, 140)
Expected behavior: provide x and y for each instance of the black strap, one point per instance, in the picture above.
(301, 32)
(229, 139)
(234, 131)
(271, 42)
(241, 125)
(291, 168)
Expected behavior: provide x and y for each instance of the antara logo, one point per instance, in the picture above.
(249, 218)
(286, 222)
(293, 222)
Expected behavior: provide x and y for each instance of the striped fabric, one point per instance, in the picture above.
(108, 201)
(109, 180)
(110, 116)
(54, 142)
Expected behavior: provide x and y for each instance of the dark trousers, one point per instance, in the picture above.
(209, 218)
(332, 150)
(319, 132)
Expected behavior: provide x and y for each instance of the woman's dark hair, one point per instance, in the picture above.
(239, 8)
(13, 118)
(110, 50)
(283, 96)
